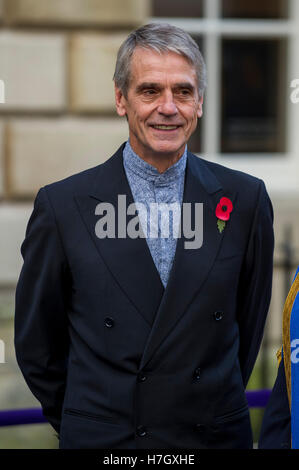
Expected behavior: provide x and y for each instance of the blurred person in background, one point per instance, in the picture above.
(280, 426)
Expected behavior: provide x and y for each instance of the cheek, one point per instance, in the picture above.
(133, 118)
(140, 116)
(190, 113)
(193, 117)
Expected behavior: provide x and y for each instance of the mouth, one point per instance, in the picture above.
(165, 127)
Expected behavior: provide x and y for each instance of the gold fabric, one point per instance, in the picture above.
(286, 334)
(278, 355)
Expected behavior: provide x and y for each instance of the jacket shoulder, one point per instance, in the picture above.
(231, 178)
(251, 191)
(80, 182)
(74, 181)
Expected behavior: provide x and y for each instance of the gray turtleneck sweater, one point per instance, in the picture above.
(149, 186)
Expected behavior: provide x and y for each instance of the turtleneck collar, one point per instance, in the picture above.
(149, 172)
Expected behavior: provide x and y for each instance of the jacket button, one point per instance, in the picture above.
(197, 373)
(109, 322)
(142, 377)
(218, 315)
(141, 431)
(200, 428)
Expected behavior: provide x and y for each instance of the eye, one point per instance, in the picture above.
(185, 92)
(149, 92)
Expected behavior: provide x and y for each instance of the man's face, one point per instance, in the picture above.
(162, 104)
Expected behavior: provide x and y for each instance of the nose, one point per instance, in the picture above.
(167, 105)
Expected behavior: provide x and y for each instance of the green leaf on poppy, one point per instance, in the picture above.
(220, 225)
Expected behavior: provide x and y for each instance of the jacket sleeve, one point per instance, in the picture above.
(41, 330)
(255, 286)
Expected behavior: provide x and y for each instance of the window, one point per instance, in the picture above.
(253, 114)
(254, 9)
(177, 8)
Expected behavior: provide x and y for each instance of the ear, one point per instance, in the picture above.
(120, 102)
(199, 109)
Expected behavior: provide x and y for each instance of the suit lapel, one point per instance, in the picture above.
(191, 266)
(129, 260)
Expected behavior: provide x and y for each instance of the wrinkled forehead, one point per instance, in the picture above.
(150, 65)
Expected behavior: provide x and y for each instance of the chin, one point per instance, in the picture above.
(166, 148)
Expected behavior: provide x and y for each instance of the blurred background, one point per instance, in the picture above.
(56, 62)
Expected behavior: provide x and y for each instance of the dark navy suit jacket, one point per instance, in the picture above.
(116, 360)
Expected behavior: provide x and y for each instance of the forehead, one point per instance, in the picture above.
(149, 65)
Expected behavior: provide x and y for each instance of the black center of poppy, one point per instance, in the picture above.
(224, 208)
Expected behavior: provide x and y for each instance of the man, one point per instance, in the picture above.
(280, 427)
(147, 342)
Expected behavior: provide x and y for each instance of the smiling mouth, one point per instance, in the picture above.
(163, 127)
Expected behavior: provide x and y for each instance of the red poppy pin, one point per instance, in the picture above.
(223, 210)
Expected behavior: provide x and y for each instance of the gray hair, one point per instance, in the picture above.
(161, 37)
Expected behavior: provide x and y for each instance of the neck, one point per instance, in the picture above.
(160, 161)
